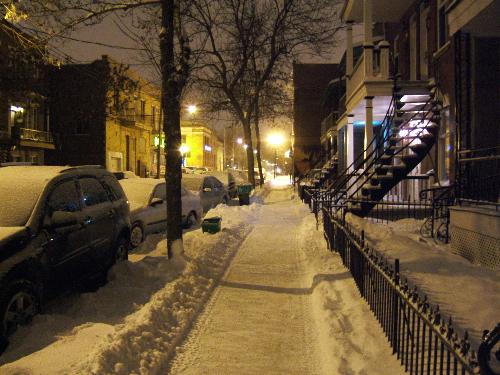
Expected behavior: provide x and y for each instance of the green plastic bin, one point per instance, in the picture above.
(211, 225)
(244, 194)
(245, 189)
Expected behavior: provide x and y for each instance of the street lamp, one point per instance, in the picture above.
(275, 140)
(192, 109)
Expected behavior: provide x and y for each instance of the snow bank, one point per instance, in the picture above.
(131, 325)
(351, 338)
(463, 290)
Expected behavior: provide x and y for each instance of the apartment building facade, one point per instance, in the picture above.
(104, 113)
(421, 114)
(25, 132)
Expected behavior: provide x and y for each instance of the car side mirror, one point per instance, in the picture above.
(61, 219)
(155, 202)
(207, 190)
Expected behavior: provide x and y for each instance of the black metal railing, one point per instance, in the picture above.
(479, 176)
(437, 223)
(423, 340)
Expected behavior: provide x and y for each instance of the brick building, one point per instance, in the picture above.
(310, 82)
(104, 113)
(25, 133)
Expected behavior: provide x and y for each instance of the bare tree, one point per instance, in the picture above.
(245, 38)
(54, 18)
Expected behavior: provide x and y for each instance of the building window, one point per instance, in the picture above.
(413, 48)
(142, 112)
(396, 55)
(153, 117)
(442, 24)
(424, 70)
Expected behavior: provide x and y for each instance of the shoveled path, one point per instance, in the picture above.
(258, 318)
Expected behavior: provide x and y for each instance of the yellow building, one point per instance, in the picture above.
(201, 147)
(104, 113)
(130, 131)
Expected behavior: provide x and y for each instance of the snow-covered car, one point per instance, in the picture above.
(210, 190)
(148, 210)
(125, 175)
(229, 180)
(58, 226)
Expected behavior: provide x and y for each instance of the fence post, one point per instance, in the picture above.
(395, 309)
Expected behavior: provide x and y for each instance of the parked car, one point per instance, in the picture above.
(257, 176)
(229, 180)
(148, 210)
(125, 175)
(58, 226)
(210, 190)
(197, 170)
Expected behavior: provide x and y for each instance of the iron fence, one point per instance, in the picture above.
(423, 340)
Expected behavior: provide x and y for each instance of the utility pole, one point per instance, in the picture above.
(158, 151)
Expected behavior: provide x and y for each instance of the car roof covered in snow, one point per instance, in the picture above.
(193, 182)
(21, 186)
(138, 190)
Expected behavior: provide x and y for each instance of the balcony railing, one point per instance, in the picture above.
(32, 135)
(373, 64)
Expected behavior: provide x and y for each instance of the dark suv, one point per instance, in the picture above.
(58, 226)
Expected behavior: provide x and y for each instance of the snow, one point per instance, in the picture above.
(139, 190)
(193, 182)
(20, 188)
(467, 292)
(261, 296)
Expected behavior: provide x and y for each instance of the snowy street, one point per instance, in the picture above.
(283, 305)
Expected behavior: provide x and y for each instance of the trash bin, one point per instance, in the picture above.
(211, 225)
(244, 193)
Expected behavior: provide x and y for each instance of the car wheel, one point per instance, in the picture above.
(121, 251)
(19, 302)
(136, 235)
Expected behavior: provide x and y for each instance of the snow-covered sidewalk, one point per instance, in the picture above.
(469, 293)
(285, 306)
(263, 296)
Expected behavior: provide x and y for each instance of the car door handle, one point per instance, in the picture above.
(88, 220)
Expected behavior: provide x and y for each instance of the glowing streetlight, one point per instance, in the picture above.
(275, 140)
(239, 141)
(245, 146)
(192, 109)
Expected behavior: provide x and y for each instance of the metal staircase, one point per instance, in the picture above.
(409, 130)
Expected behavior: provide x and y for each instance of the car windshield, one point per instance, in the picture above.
(192, 182)
(137, 191)
(18, 197)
